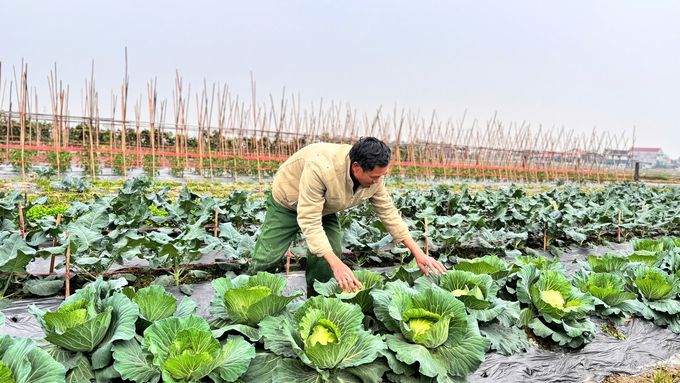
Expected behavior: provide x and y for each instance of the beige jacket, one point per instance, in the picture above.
(316, 181)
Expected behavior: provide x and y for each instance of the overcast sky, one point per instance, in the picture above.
(610, 65)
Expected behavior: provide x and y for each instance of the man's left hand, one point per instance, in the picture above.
(428, 264)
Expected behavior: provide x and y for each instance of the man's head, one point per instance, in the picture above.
(369, 157)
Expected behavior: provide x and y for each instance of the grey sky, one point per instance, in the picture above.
(582, 64)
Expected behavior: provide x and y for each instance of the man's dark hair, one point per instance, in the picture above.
(370, 152)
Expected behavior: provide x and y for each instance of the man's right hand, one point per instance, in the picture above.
(342, 273)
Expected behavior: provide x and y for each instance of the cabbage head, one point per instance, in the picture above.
(497, 318)
(555, 309)
(658, 294)
(182, 350)
(431, 329)
(324, 341)
(240, 304)
(609, 294)
(85, 327)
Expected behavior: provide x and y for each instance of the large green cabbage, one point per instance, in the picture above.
(182, 350)
(86, 325)
(611, 299)
(497, 318)
(658, 293)
(429, 328)
(324, 341)
(240, 304)
(555, 309)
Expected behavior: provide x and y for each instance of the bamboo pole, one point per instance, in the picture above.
(54, 243)
(22, 116)
(215, 229)
(618, 230)
(90, 101)
(9, 122)
(123, 111)
(68, 265)
(255, 113)
(200, 116)
(151, 89)
(22, 230)
(427, 241)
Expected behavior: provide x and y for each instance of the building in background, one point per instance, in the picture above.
(650, 157)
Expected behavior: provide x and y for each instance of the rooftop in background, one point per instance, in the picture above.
(646, 150)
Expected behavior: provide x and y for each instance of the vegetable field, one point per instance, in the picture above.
(130, 263)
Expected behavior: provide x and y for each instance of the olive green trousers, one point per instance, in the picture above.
(278, 231)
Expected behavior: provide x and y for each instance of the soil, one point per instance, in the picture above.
(659, 375)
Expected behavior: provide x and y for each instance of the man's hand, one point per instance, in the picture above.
(426, 263)
(342, 273)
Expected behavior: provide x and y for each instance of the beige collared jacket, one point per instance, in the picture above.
(316, 181)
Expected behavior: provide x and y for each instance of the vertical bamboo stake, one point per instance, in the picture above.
(138, 106)
(257, 146)
(216, 222)
(123, 110)
(112, 129)
(9, 122)
(288, 255)
(68, 264)
(22, 116)
(151, 88)
(199, 120)
(618, 230)
(22, 231)
(427, 241)
(208, 121)
(91, 112)
(54, 243)
(545, 238)
(178, 107)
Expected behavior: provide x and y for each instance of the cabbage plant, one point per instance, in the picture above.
(653, 245)
(182, 350)
(488, 264)
(86, 326)
(324, 341)
(539, 263)
(155, 304)
(555, 309)
(658, 293)
(240, 304)
(430, 329)
(22, 362)
(610, 297)
(369, 280)
(497, 318)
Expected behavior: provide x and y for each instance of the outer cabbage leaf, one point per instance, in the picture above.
(369, 280)
(21, 361)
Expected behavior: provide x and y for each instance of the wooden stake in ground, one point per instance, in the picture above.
(427, 242)
(54, 244)
(288, 255)
(216, 222)
(618, 229)
(545, 239)
(21, 222)
(68, 265)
